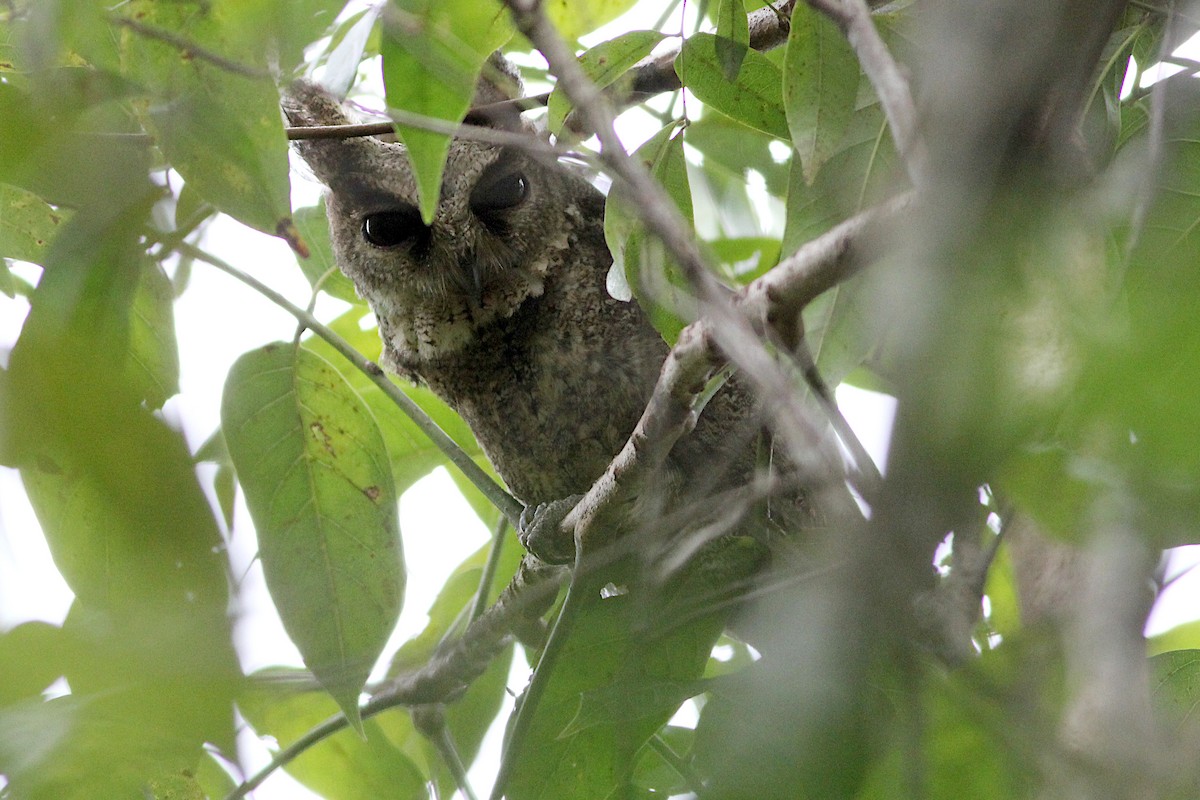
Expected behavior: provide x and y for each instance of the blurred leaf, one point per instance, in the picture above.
(103, 750)
(315, 472)
(733, 37)
(219, 128)
(348, 46)
(347, 765)
(433, 51)
(57, 142)
(27, 225)
(640, 262)
(574, 18)
(604, 64)
(1145, 426)
(1054, 486)
(753, 98)
(1176, 687)
(656, 774)
(151, 664)
(320, 266)
(153, 364)
(213, 779)
(32, 656)
(747, 257)
(1181, 637)
(8, 286)
(820, 82)
(286, 27)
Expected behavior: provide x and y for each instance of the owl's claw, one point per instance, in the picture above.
(541, 532)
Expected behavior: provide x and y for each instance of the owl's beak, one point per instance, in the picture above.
(469, 279)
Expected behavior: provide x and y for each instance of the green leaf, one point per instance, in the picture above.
(574, 18)
(153, 365)
(27, 225)
(585, 748)
(640, 261)
(1182, 637)
(753, 98)
(737, 148)
(314, 469)
(285, 26)
(733, 37)
(433, 51)
(220, 129)
(51, 146)
(347, 48)
(604, 64)
(411, 453)
(32, 656)
(820, 82)
(470, 717)
(346, 766)
(151, 665)
(1176, 689)
(320, 267)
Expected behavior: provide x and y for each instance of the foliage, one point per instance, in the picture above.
(1036, 319)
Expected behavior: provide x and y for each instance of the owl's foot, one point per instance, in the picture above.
(542, 534)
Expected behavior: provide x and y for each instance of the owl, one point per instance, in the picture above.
(500, 307)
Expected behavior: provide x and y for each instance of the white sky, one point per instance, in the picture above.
(218, 319)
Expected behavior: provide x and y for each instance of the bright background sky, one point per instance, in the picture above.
(218, 319)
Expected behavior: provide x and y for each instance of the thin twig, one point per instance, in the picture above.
(509, 506)
(816, 267)
(188, 48)
(450, 670)
(488, 576)
(854, 18)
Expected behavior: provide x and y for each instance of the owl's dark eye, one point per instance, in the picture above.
(391, 228)
(499, 191)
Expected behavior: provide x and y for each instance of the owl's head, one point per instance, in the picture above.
(501, 217)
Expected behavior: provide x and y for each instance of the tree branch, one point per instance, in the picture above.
(731, 332)
(450, 670)
(782, 293)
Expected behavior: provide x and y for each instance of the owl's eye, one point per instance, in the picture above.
(498, 191)
(391, 228)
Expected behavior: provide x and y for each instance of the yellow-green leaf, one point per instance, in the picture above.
(315, 472)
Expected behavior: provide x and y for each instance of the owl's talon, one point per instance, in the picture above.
(540, 530)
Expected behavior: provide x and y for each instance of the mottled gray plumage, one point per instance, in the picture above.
(504, 312)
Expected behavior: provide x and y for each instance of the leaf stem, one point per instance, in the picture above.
(489, 570)
(508, 505)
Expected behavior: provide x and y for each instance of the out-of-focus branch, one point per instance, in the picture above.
(854, 18)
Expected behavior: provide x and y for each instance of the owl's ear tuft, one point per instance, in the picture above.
(499, 80)
(308, 105)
